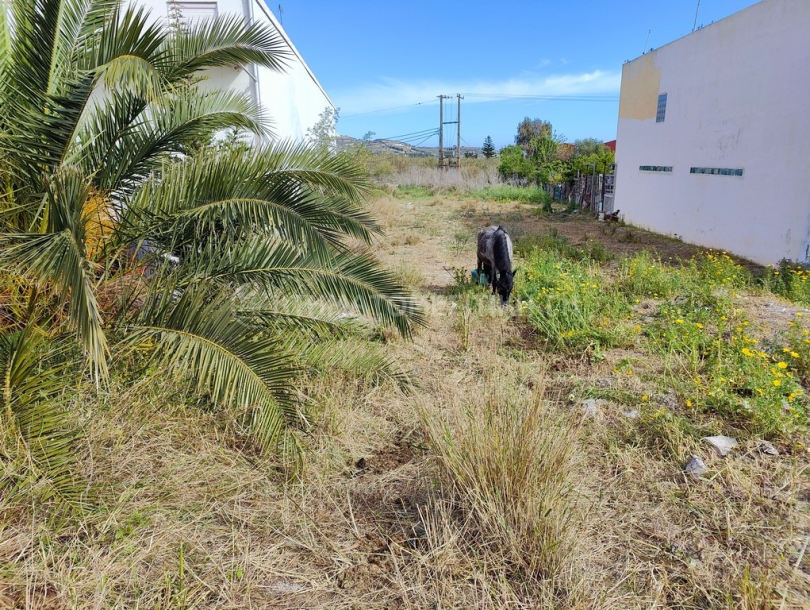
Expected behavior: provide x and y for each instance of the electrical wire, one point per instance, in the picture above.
(385, 109)
(560, 98)
(426, 139)
(415, 135)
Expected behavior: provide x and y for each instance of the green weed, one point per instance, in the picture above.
(505, 192)
(790, 281)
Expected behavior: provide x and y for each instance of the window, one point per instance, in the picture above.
(662, 108)
(655, 168)
(189, 13)
(716, 171)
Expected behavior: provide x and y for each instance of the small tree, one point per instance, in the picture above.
(323, 134)
(514, 164)
(587, 146)
(530, 130)
(488, 150)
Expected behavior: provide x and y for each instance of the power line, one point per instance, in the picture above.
(415, 135)
(560, 98)
(410, 140)
(385, 109)
(426, 139)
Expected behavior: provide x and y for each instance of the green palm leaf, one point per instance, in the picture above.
(236, 364)
(124, 141)
(240, 192)
(33, 419)
(56, 258)
(226, 41)
(353, 280)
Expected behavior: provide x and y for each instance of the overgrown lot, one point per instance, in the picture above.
(535, 459)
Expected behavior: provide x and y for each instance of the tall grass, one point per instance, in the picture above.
(789, 280)
(508, 459)
(473, 175)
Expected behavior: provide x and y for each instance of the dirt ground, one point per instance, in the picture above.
(372, 522)
(446, 236)
(648, 546)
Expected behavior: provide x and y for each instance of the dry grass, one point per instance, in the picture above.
(474, 174)
(507, 466)
(481, 487)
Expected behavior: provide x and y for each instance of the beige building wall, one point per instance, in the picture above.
(737, 102)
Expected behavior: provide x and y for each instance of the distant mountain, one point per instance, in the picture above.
(392, 147)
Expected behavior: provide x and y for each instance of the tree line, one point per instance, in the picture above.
(541, 156)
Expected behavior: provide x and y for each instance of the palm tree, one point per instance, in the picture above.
(121, 229)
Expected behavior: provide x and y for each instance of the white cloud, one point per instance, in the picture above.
(391, 93)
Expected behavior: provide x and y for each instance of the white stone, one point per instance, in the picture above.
(723, 444)
(695, 467)
(591, 406)
(767, 448)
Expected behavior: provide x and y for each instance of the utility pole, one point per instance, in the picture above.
(458, 133)
(441, 131)
(442, 123)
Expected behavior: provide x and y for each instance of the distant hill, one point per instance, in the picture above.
(393, 147)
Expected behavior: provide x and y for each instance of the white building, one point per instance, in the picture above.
(713, 138)
(292, 100)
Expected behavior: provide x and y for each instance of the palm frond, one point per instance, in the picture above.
(56, 258)
(237, 193)
(170, 125)
(299, 162)
(352, 280)
(128, 33)
(34, 420)
(236, 364)
(355, 357)
(313, 319)
(226, 41)
(78, 23)
(135, 74)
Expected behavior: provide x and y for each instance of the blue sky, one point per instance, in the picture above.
(384, 62)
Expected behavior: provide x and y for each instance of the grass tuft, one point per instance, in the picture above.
(508, 460)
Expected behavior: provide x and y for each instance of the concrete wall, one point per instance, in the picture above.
(738, 97)
(291, 100)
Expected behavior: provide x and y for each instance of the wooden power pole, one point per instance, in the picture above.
(441, 131)
(458, 132)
